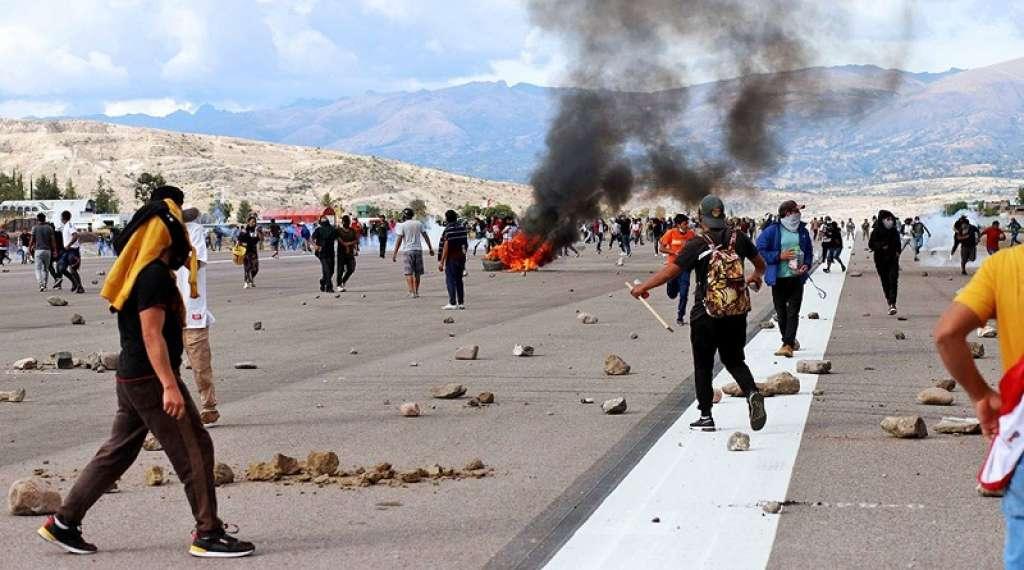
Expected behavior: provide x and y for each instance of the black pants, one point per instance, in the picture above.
(889, 274)
(186, 443)
(326, 269)
(787, 296)
(453, 277)
(726, 336)
(383, 246)
(346, 267)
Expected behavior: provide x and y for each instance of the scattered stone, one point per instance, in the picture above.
(988, 332)
(261, 472)
(100, 273)
(738, 441)
(947, 384)
(154, 476)
(818, 392)
(409, 409)
(586, 400)
(152, 444)
(486, 398)
(586, 318)
(986, 493)
(322, 463)
(783, 384)
(410, 476)
(767, 325)
(449, 320)
(717, 396)
(77, 319)
(26, 364)
(522, 350)
(814, 366)
(619, 262)
(614, 407)
(448, 391)
(284, 465)
(353, 351)
(467, 352)
(56, 301)
(901, 318)
(977, 349)
(473, 403)
(32, 497)
(733, 389)
(772, 507)
(813, 316)
(257, 326)
(63, 360)
(905, 426)
(474, 465)
(958, 426)
(656, 520)
(13, 395)
(222, 474)
(900, 335)
(614, 365)
(924, 274)
(245, 366)
(935, 397)
(855, 274)
(414, 364)
(634, 336)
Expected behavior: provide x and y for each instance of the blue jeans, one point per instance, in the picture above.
(1013, 512)
(679, 286)
(453, 277)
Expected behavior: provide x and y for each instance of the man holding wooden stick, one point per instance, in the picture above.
(719, 316)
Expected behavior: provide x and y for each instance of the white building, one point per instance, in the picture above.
(83, 212)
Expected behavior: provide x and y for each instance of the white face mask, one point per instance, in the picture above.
(791, 222)
(888, 224)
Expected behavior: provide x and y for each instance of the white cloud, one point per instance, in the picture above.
(34, 64)
(393, 9)
(303, 50)
(21, 108)
(189, 30)
(155, 107)
(540, 62)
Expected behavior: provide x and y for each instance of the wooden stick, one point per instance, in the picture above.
(651, 309)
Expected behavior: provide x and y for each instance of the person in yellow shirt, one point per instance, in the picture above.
(995, 292)
(672, 243)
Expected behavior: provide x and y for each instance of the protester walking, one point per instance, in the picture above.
(718, 320)
(1014, 227)
(348, 249)
(150, 394)
(275, 238)
(672, 243)
(993, 292)
(324, 238)
(380, 228)
(411, 237)
(198, 319)
(41, 247)
(453, 245)
(71, 258)
(788, 254)
(249, 238)
(886, 245)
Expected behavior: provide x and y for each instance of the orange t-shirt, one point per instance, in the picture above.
(674, 241)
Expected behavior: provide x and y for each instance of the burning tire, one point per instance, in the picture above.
(493, 265)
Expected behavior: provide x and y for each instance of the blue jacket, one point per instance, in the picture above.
(769, 245)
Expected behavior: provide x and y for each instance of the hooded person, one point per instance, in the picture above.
(788, 254)
(965, 237)
(718, 320)
(886, 245)
(151, 397)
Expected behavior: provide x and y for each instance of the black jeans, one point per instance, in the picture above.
(726, 336)
(383, 245)
(346, 267)
(453, 277)
(787, 296)
(889, 274)
(326, 269)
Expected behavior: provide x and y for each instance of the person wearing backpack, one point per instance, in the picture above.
(718, 320)
(788, 252)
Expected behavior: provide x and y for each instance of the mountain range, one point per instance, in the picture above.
(845, 125)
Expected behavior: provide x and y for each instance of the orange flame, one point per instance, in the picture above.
(523, 253)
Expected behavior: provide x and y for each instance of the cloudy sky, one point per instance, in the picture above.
(73, 57)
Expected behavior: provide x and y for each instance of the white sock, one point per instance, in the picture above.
(56, 521)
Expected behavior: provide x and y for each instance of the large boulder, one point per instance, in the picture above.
(614, 365)
(908, 427)
(32, 496)
(733, 389)
(782, 384)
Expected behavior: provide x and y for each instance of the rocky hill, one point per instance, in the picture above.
(266, 174)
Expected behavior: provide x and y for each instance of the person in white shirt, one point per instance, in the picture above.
(198, 319)
(71, 258)
(409, 233)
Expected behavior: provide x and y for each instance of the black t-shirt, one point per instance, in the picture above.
(275, 230)
(325, 236)
(251, 241)
(690, 260)
(154, 287)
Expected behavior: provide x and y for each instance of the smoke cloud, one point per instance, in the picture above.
(612, 132)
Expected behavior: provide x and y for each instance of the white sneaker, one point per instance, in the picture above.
(341, 289)
(245, 285)
(449, 308)
(462, 307)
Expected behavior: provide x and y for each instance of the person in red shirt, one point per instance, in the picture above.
(993, 235)
(5, 244)
(672, 243)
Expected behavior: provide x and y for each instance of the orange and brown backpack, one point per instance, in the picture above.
(726, 294)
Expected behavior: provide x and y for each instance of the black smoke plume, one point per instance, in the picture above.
(612, 132)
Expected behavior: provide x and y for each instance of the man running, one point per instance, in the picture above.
(198, 318)
(1014, 227)
(725, 335)
(993, 235)
(886, 244)
(788, 253)
(410, 242)
(672, 243)
(150, 394)
(348, 249)
(41, 248)
(965, 236)
(323, 239)
(250, 238)
(917, 231)
(275, 237)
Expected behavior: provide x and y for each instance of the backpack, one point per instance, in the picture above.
(726, 294)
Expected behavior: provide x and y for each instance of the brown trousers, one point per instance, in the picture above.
(197, 348)
(185, 441)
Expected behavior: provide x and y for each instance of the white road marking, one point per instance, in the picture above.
(705, 497)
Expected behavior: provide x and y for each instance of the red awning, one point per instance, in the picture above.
(306, 214)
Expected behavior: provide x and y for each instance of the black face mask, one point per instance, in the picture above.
(323, 222)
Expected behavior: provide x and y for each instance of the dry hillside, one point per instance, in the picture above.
(266, 174)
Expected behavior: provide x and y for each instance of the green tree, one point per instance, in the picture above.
(244, 209)
(419, 208)
(12, 187)
(69, 190)
(372, 210)
(1020, 195)
(470, 211)
(220, 211)
(950, 209)
(500, 210)
(145, 184)
(105, 199)
(47, 189)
